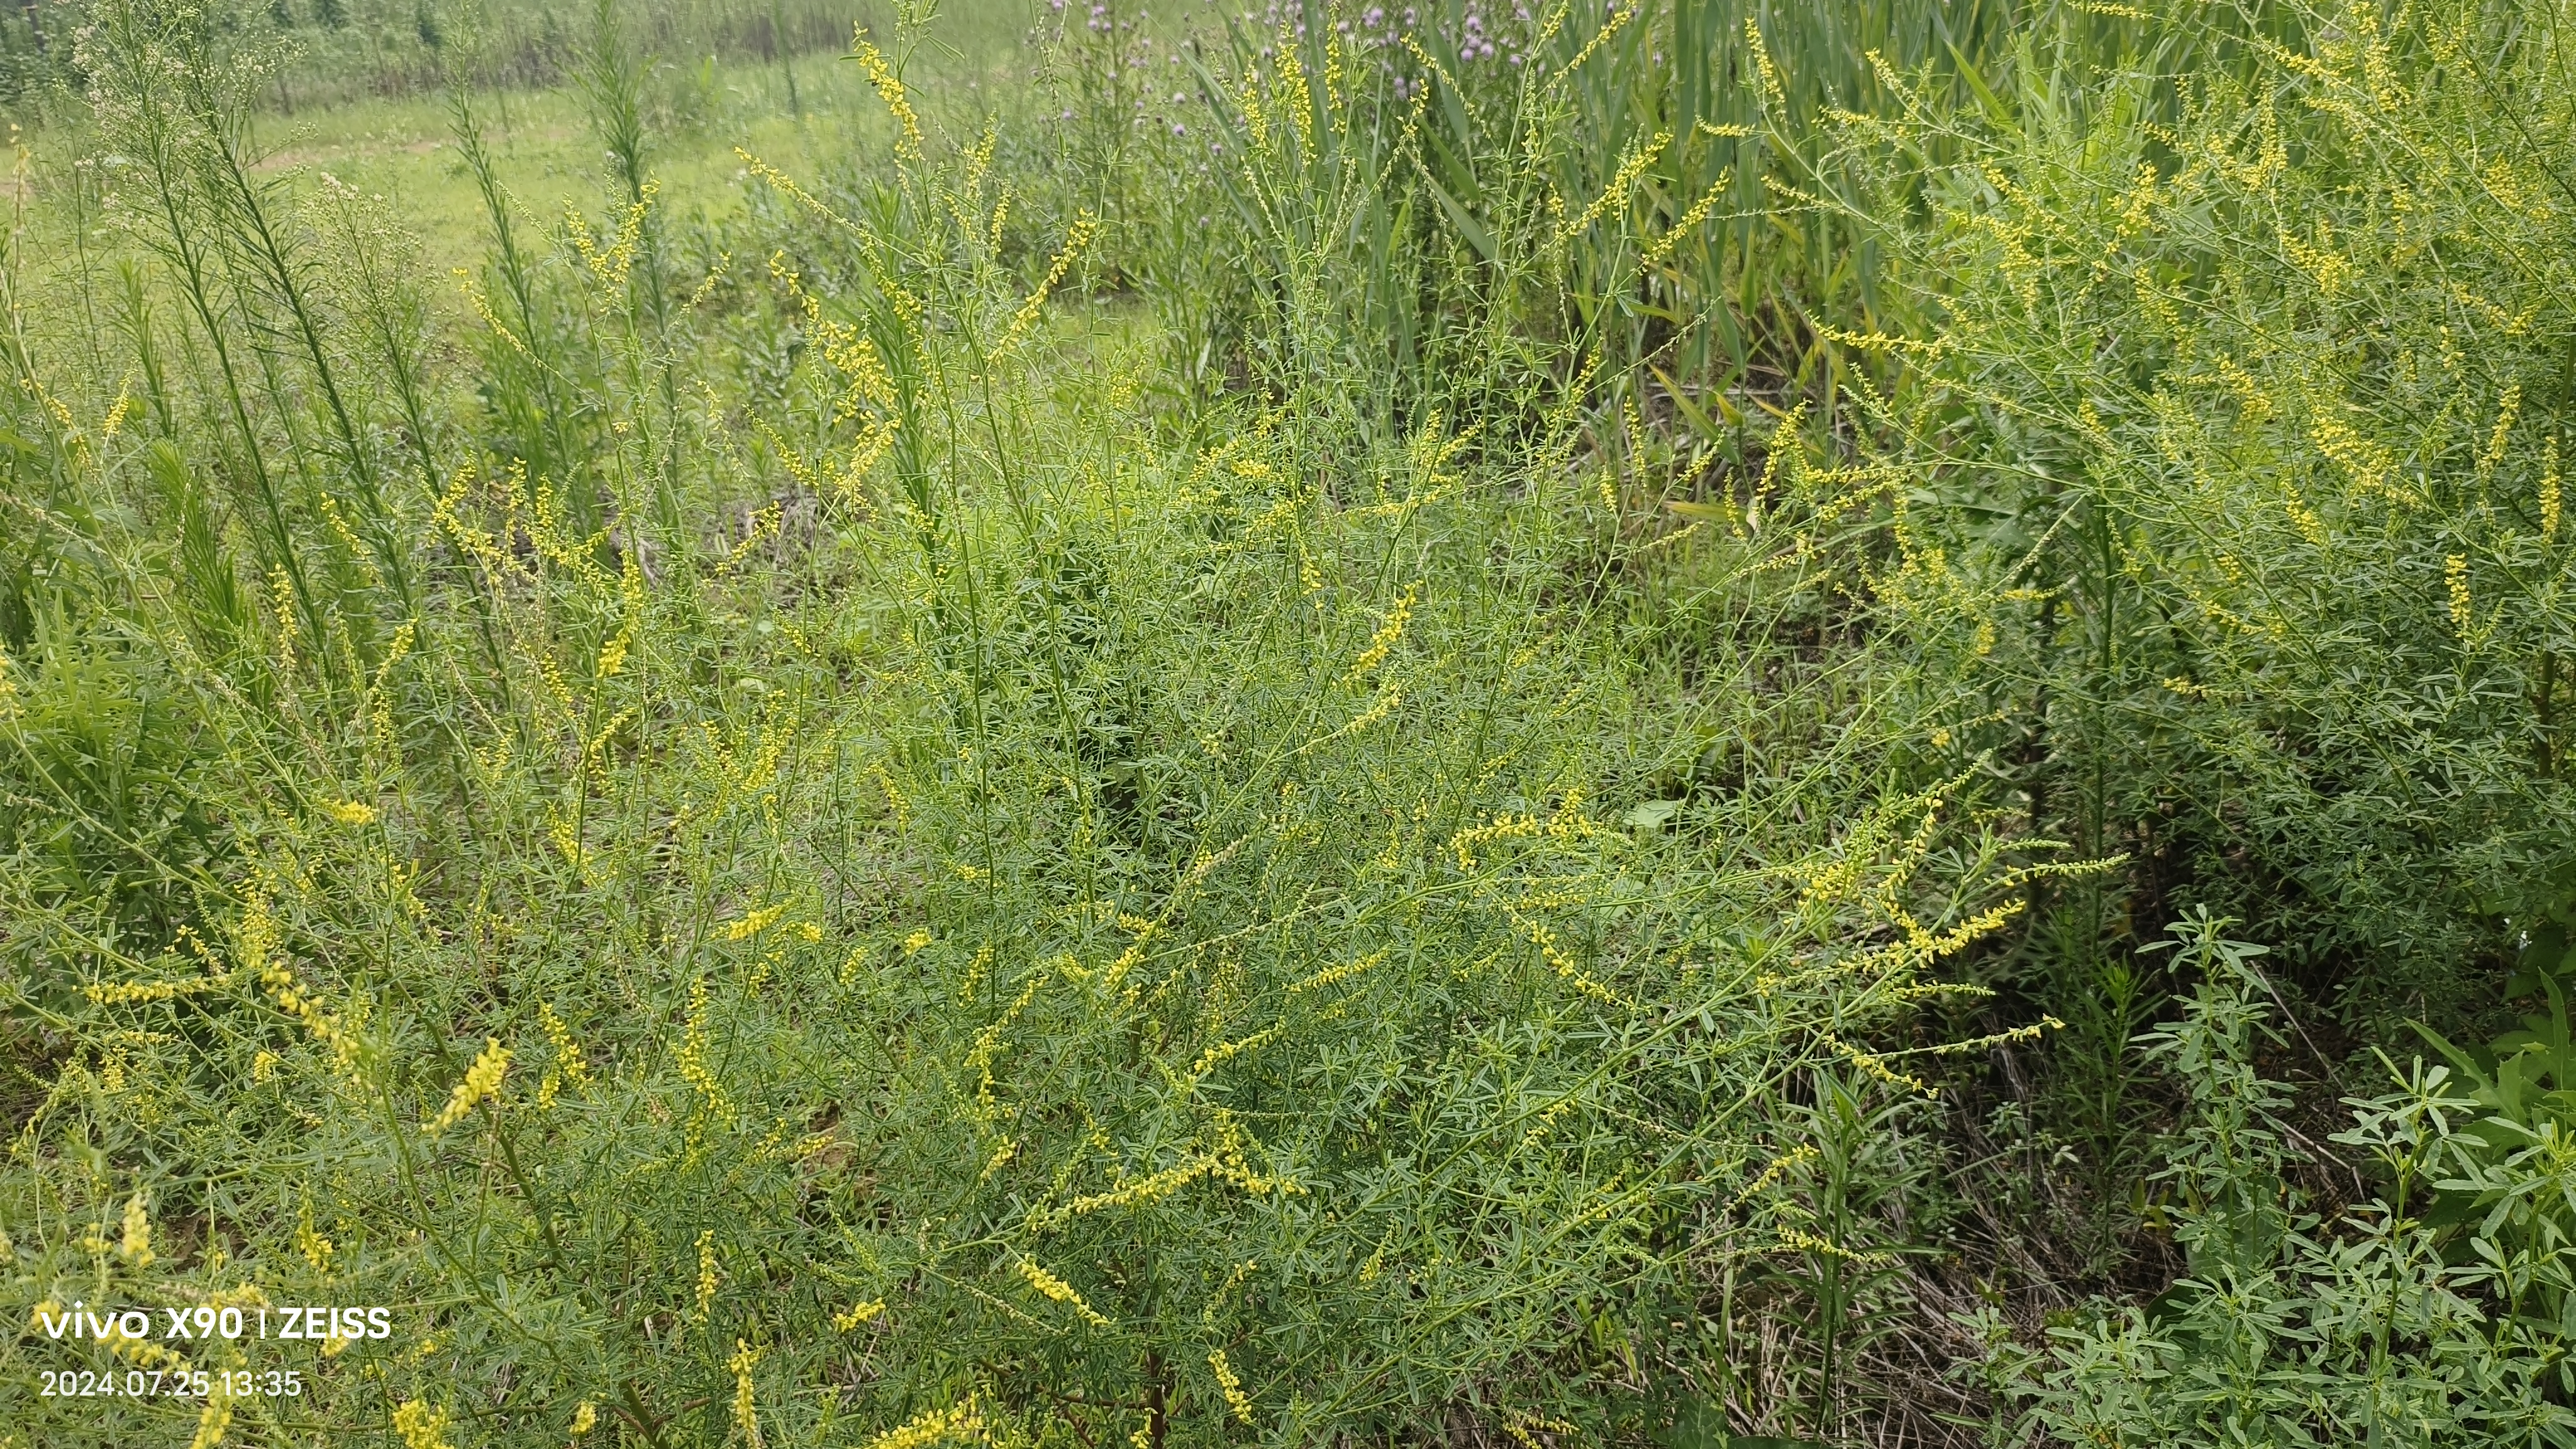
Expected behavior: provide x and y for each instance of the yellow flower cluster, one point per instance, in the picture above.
(1062, 1292)
(2549, 490)
(1688, 222)
(1226, 1051)
(1805, 1242)
(568, 1066)
(255, 948)
(1502, 827)
(136, 1244)
(420, 1425)
(1334, 975)
(889, 88)
(896, 805)
(935, 1426)
(2464, 614)
(746, 1404)
(1875, 1066)
(1231, 1386)
(317, 1249)
(119, 993)
(692, 1057)
(858, 1313)
(1780, 1167)
(1616, 193)
(1077, 237)
(611, 264)
(1544, 937)
(706, 1273)
(217, 1416)
(481, 1080)
(1387, 636)
(1520, 1425)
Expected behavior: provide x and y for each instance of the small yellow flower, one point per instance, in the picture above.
(932, 1427)
(1388, 634)
(584, 1418)
(349, 812)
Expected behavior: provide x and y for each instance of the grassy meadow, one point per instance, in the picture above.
(1626, 722)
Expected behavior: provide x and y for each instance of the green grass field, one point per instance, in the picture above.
(1684, 724)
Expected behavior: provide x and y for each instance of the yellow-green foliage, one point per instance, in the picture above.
(882, 891)
(785, 819)
(2252, 426)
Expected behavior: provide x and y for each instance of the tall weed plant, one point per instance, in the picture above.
(890, 901)
(2248, 431)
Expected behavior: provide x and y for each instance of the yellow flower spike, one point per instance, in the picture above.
(1077, 237)
(746, 1405)
(896, 804)
(1062, 1292)
(217, 1416)
(2507, 413)
(754, 923)
(2549, 490)
(1298, 101)
(1662, 246)
(1388, 635)
(706, 1273)
(136, 1244)
(1772, 90)
(1620, 184)
(585, 1417)
(481, 1081)
(1236, 1401)
(569, 1064)
(1520, 1425)
(693, 1055)
(889, 89)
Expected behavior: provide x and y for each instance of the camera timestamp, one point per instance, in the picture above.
(170, 1383)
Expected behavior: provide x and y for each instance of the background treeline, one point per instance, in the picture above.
(332, 51)
(1681, 723)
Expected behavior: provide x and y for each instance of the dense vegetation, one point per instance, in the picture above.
(1655, 723)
